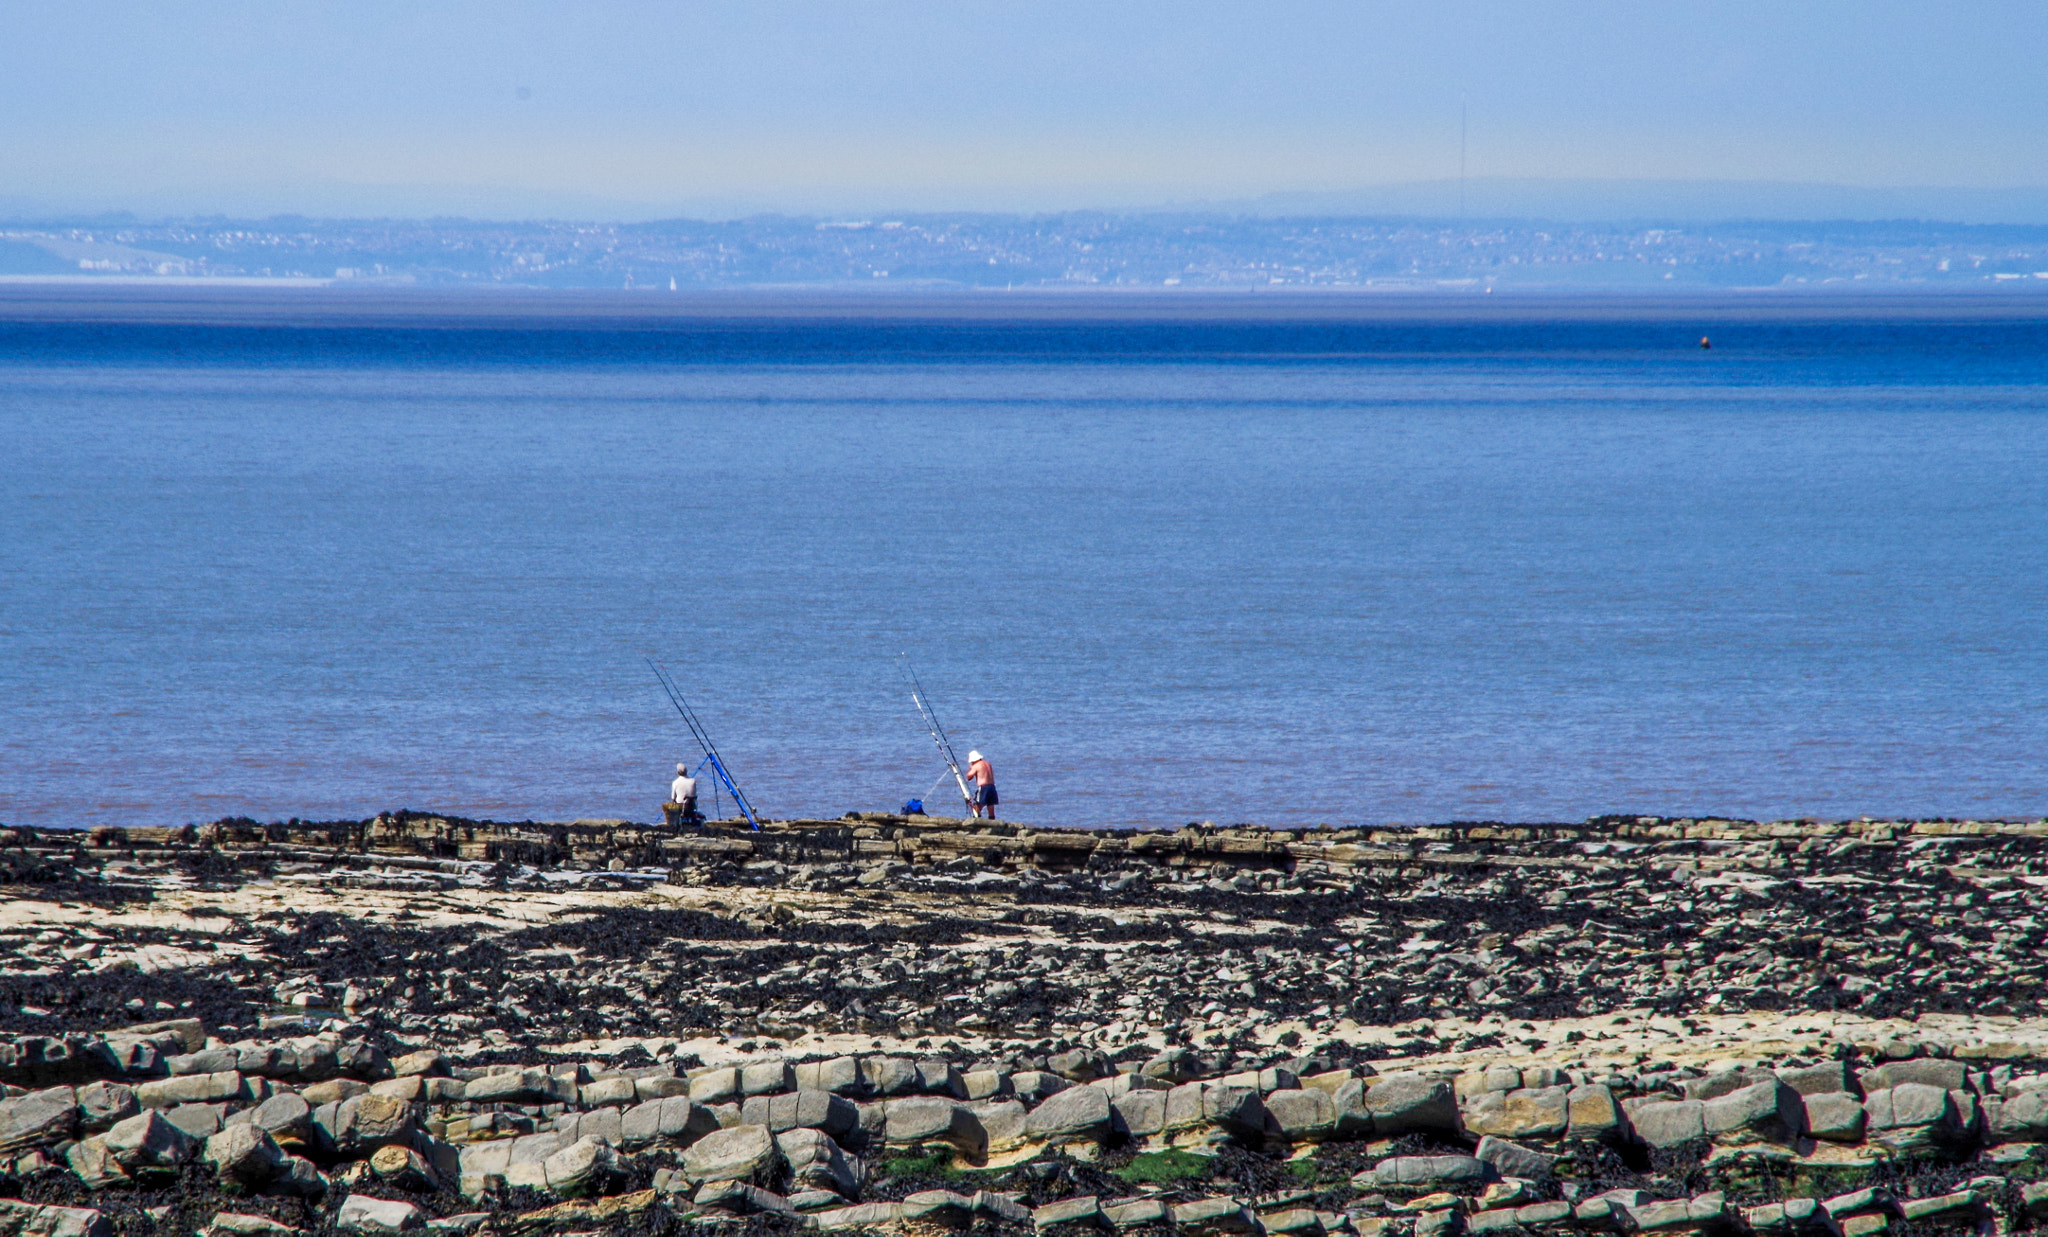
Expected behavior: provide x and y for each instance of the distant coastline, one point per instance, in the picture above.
(1161, 251)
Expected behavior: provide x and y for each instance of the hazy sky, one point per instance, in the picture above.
(518, 107)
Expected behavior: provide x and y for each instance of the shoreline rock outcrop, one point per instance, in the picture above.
(422, 1024)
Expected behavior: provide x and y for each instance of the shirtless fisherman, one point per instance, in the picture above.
(983, 775)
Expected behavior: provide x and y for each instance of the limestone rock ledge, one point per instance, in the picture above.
(423, 1024)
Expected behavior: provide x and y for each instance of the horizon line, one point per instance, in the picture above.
(869, 219)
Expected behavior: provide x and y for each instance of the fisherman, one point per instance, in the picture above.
(681, 807)
(984, 778)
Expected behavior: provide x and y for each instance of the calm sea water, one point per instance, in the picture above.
(1408, 565)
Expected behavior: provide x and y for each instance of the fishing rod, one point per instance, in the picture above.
(704, 741)
(714, 785)
(938, 732)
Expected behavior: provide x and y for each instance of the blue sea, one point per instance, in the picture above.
(1253, 559)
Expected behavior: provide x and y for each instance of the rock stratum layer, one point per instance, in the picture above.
(1633, 1025)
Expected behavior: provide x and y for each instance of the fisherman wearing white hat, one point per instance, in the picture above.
(984, 778)
(682, 799)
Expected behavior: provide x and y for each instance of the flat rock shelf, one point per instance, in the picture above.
(1630, 1025)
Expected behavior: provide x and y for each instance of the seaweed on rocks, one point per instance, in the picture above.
(344, 947)
(1237, 1170)
(1305, 951)
(94, 1000)
(1054, 1177)
(36, 869)
(213, 868)
(166, 1205)
(628, 932)
(59, 879)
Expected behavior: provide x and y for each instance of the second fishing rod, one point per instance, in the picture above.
(938, 732)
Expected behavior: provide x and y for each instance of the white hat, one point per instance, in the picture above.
(683, 769)
(974, 755)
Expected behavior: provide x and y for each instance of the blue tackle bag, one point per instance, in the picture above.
(914, 807)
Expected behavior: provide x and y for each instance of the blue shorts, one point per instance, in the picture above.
(985, 796)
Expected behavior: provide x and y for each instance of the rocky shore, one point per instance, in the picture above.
(1626, 1025)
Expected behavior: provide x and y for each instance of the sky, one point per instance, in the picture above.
(515, 108)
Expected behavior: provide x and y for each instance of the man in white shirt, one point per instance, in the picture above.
(682, 799)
